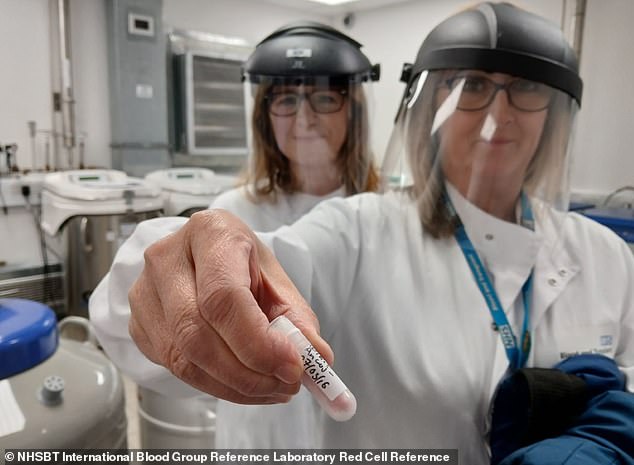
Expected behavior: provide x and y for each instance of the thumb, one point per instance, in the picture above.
(277, 295)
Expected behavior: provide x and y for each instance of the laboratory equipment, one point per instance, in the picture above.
(207, 106)
(56, 393)
(188, 190)
(580, 206)
(86, 216)
(138, 89)
(32, 132)
(10, 151)
(34, 281)
(174, 422)
(318, 377)
(619, 220)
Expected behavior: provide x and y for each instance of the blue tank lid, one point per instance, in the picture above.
(28, 335)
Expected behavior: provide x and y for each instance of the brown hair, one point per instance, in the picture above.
(547, 166)
(270, 169)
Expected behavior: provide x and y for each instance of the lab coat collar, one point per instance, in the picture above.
(294, 205)
(301, 197)
(508, 251)
(555, 266)
(300, 202)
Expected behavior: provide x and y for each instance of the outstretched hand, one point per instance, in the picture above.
(202, 306)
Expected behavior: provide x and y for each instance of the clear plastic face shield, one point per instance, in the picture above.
(491, 140)
(311, 135)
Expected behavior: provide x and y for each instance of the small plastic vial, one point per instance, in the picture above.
(321, 380)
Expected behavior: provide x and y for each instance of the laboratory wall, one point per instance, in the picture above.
(25, 54)
(603, 143)
(391, 35)
(26, 68)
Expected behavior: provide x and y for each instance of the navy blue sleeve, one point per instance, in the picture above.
(603, 434)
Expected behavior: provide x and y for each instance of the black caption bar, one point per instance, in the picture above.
(234, 456)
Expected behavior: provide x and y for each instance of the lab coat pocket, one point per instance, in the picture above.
(588, 339)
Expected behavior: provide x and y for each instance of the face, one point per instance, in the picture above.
(495, 144)
(309, 138)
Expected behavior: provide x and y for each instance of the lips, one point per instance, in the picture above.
(309, 137)
(499, 141)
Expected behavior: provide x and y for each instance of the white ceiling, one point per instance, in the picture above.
(311, 6)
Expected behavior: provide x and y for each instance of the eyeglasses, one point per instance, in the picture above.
(321, 101)
(478, 92)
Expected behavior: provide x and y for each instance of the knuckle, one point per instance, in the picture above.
(137, 335)
(221, 300)
(256, 386)
(221, 223)
(153, 253)
(186, 332)
(133, 293)
(177, 363)
(313, 319)
(177, 355)
(212, 220)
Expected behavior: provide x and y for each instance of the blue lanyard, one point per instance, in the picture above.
(516, 353)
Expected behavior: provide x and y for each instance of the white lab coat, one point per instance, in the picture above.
(411, 333)
(268, 216)
(237, 426)
(258, 426)
(410, 329)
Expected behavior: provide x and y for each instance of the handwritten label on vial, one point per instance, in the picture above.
(321, 373)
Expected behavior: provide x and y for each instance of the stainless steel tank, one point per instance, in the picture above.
(90, 244)
(180, 423)
(70, 399)
(86, 216)
(188, 190)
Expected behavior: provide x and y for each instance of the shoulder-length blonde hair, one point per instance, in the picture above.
(270, 172)
(544, 175)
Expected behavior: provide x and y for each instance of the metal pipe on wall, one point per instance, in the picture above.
(572, 23)
(64, 128)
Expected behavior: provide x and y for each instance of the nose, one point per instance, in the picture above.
(501, 107)
(305, 112)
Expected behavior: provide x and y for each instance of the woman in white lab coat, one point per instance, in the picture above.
(430, 294)
(310, 125)
(310, 141)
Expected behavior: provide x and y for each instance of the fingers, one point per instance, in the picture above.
(231, 381)
(202, 307)
(277, 295)
(226, 271)
(143, 296)
(198, 378)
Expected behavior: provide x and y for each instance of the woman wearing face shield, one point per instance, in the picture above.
(310, 142)
(310, 137)
(468, 272)
(309, 85)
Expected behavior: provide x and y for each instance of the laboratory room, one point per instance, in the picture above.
(223, 229)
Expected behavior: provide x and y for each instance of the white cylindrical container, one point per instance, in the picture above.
(66, 396)
(318, 377)
(176, 423)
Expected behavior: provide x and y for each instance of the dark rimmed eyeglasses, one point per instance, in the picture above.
(478, 92)
(321, 101)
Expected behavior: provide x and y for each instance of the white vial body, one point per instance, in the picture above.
(319, 378)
